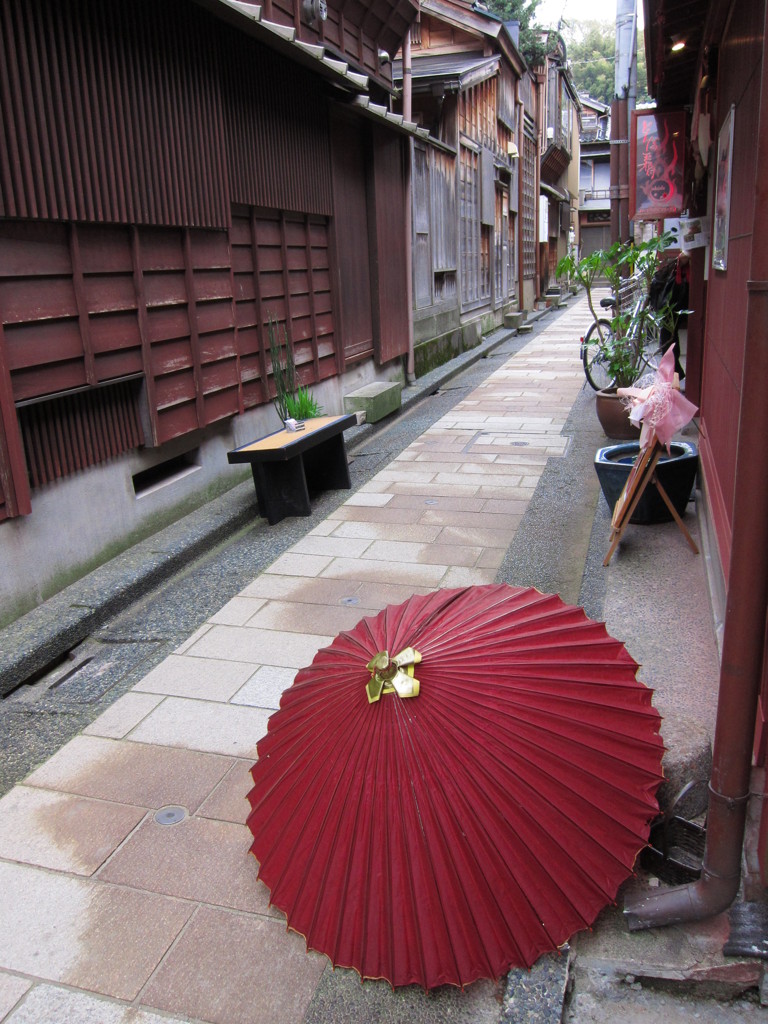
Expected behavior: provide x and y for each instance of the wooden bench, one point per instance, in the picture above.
(288, 464)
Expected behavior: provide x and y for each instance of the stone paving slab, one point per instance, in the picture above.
(132, 773)
(61, 831)
(11, 991)
(82, 933)
(47, 1004)
(199, 859)
(230, 968)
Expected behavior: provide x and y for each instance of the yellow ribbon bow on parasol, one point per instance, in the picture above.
(393, 675)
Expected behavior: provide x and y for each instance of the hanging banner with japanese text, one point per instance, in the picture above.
(657, 164)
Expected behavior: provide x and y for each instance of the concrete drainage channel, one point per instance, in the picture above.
(41, 714)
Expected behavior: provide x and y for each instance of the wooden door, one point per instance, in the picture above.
(350, 143)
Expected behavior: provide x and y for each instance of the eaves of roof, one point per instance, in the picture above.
(454, 71)
(560, 195)
(594, 147)
(478, 21)
(376, 112)
(672, 76)
(485, 23)
(247, 18)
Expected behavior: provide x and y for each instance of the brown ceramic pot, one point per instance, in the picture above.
(614, 417)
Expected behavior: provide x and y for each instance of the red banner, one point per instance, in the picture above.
(657, 164)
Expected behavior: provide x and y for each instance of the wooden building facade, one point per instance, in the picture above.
(174, 175)
(559, 111)
(471, 257)
(720, 78)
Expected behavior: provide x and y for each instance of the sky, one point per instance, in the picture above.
(550, 11)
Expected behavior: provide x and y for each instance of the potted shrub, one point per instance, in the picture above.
(624, 344)
(293, 401)
(676, 472)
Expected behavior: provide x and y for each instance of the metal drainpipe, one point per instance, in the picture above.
(410, 366)
(745, 614)
(614, 166)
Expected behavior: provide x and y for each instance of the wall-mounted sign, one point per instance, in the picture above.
(723, 193)
(657, 164)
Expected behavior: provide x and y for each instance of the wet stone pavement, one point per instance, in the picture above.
(129, 892)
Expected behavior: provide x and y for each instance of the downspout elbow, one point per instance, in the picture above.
(706, 897)
(718, 885)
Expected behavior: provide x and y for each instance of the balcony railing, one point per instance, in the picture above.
(595, 193)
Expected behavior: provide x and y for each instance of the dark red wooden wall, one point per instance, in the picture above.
(355, 29)
(740, 63)
(278, 142)
(166, 187)
(111, 112)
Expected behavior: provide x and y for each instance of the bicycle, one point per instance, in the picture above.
(632, 338)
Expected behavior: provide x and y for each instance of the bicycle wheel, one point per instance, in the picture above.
(593, 355)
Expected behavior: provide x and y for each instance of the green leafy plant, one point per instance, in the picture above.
(292, 400)
(598, 265)
(623, 346)
(302, 405)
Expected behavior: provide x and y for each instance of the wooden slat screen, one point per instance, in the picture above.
(82, 305)
(281, 269)
(422, 247)
(391, 313)
(442, 171)
(528, 213)
(471, 282)
(110, 116)
(70, 433)
(277, 132)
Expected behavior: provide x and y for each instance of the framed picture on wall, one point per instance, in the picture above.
(723, 194)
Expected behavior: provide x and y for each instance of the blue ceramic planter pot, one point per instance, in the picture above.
(676, 472)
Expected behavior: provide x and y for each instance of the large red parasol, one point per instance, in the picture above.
(448, 836)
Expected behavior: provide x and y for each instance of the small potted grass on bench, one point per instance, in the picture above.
(293, 401)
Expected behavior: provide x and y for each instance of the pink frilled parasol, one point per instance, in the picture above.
(659, 406)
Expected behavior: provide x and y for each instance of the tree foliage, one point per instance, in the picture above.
(590, 45)
(591, 54)
(532, 45)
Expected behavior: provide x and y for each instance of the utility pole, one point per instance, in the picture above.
(624, 102)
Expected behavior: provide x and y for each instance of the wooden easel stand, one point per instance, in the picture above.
(643, 473)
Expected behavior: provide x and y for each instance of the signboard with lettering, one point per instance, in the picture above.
(657, 164)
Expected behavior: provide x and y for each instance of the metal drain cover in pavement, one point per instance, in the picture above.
(170, 815)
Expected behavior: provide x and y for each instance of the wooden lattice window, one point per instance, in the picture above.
(469, 197)
(529, 208)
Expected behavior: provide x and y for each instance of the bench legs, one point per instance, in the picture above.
(282, 488)
(326, 467)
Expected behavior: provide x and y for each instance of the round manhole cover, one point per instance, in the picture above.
(430, 501)
(170, 815)
(350, 600)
